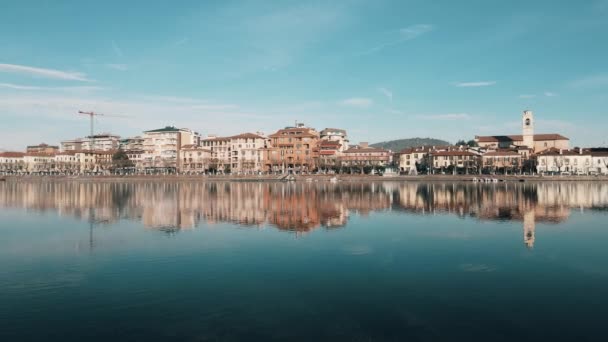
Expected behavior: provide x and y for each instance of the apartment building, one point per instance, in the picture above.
(220, 153)
(98, 142)
(335, 135)
(194, 159)
(42, 148)
(162, 147)
(502, 160)
(363, 155)
(12, 163)
(294, 150)
(574, 161)
(246, 153)
(452, 160)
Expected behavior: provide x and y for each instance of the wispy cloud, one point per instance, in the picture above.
(527, 96)
(593, 81)
(447, 117)
(357, 102)
(41, 72)
(550, 94)
(117, 49)
(387, 93)
(401, 36)
(476, 84)
(182, 41)
(28, 87)
(119, 67)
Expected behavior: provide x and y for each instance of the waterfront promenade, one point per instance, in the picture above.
(308, 178)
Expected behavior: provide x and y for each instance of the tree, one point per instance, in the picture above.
(120, 160)
(472, 143)
(461, 142)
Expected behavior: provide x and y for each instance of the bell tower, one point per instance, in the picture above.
(528, 129)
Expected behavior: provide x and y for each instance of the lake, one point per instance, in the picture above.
(403, 261)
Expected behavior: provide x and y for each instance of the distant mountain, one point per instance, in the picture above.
(400, 144)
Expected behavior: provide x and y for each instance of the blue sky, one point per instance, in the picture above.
(380, 69)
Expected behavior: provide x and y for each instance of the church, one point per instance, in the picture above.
(534, 142)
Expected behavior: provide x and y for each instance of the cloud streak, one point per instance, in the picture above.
(387, 93)
(403, 35)
(357, 102)
(46, 73)
(117, 49)
(475, 84)
(36, 88)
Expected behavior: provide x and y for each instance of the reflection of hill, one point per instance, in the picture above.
(299, 206)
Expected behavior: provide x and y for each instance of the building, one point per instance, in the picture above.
(536, 142)
(98, 142)
(335, 135)
(66, 163)
(134, 143)
(12, 163)
(246, 153)
(413, 159)
(503, 160)
(162, 147)
(452, 160)
(363, 155)
(39, 163)
(42, 148)
(293, 150)
(194, 159)
(330, 152)
(220, 153)
(575, 161)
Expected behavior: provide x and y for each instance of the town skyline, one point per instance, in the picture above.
(382, 70)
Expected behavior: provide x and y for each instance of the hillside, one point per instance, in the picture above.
(400, 144)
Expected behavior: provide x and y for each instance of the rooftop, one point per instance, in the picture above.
(519, 137)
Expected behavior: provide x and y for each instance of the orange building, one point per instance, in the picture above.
(294, 150)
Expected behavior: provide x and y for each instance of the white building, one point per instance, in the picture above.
(575, 161)
(246, 156)
(336, 134)
(98, 142)
(162, 147)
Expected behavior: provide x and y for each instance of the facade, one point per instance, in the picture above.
(100, 142)
(134, 143)
(246, 153)
(294, 150)
(162, 147)
(42, 148)
(575, 161)
(330, 152)
(502, 160)
(335, 135)
(194, 159)
(452, 160)
(12, 163)
(363, 155)
(536, 142)
(66, 163)
(39, 163)
(220, 153)
(413, 159)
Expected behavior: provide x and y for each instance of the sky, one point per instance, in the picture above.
(380, 69)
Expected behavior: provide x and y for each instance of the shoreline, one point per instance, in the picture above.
(306, 178)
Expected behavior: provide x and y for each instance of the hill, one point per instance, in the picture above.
(400, 144)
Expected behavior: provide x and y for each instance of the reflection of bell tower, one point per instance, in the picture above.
(529, 227)
(528, 129)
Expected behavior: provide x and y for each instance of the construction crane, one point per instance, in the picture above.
(92, 116)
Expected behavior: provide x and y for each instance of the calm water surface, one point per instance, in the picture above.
(307, 262)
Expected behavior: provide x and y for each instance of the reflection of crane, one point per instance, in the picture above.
(92, 115)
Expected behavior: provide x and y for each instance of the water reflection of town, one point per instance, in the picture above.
(302, 207)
